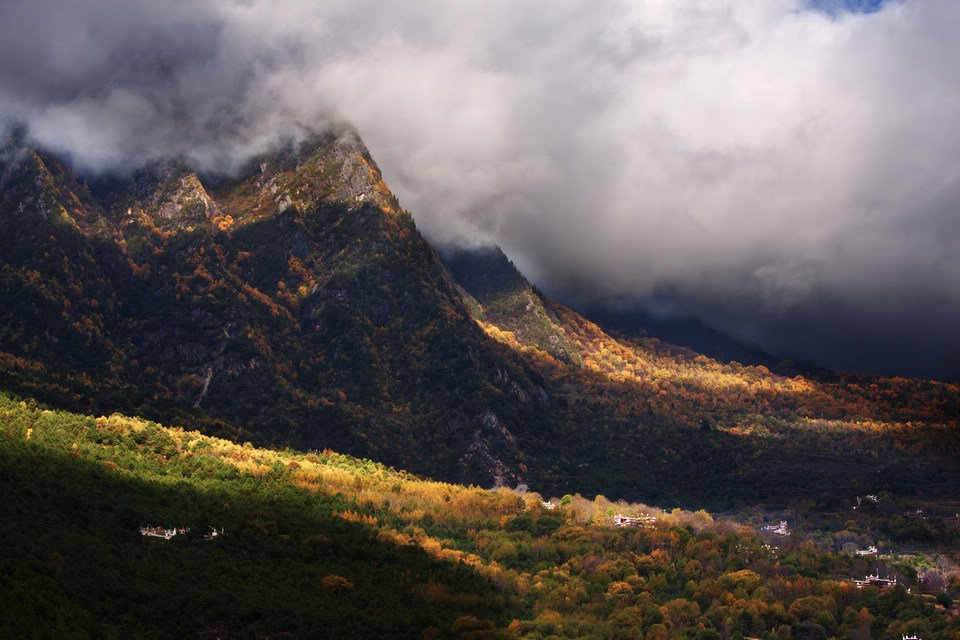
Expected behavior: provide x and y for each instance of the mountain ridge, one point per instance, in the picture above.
(295, 303)
(298, 243)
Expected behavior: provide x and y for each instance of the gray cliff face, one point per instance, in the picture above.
(333, 169)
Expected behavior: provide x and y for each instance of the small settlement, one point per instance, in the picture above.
(642, 521)
(167, 533)
(778, 529)
(161, 532)
(876, 581)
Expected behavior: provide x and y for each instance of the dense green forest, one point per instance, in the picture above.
(323, 544)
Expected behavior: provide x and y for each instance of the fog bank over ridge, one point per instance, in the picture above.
(787, 170)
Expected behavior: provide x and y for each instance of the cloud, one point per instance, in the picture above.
(787, 169)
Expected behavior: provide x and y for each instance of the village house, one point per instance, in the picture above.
(779, 529)
(630, 521)
(161, 532)
(876, 581)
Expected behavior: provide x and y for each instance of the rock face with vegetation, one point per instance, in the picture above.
(499, 296)
(294, 303)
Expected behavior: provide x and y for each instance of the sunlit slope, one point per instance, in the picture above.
(321, 544)
(292, 554)
(638, 413)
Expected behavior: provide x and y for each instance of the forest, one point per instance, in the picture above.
(313, 543)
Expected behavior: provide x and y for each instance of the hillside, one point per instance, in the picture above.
(636, 416)
(296, 304)
(322, 544)
(293, 303)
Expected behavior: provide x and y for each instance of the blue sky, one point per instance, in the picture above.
(835, 7)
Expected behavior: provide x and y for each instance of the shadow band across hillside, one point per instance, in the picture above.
(73, 564)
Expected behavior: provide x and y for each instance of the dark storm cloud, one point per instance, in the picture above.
(789, 169)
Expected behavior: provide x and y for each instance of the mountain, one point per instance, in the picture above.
(295, 304)
(639, 416)
(497, 293)
(633, 319)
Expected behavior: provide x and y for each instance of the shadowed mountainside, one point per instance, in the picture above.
(297, 304)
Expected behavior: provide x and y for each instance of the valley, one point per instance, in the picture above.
(319, 541)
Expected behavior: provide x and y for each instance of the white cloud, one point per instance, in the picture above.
(753, 157)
